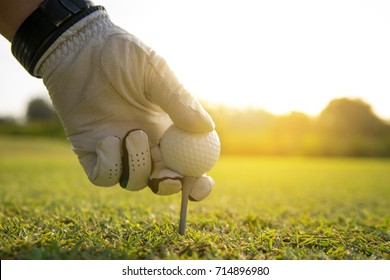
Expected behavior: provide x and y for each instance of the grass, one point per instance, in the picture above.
(260, 208)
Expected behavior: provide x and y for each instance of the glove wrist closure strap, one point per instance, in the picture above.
(45, 25)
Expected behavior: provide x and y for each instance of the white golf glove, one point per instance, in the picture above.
(115, 98)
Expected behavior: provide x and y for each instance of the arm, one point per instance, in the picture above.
(13, 13)
(114, 95)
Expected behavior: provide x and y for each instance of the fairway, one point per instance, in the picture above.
(260, 208)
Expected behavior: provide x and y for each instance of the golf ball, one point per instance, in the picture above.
(190, 154)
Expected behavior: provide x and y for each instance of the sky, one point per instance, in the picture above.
(279, 55)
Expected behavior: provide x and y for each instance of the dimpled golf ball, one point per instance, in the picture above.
(190, 154)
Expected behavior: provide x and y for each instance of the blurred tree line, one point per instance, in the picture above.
(40, 120)
(346, 127)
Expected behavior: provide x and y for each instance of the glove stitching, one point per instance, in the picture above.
(119, 99)
(71, 41)
(109, 83)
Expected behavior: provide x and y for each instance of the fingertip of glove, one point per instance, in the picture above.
(202, 188)
(165, 186)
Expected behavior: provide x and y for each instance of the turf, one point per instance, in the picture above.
(260, 208)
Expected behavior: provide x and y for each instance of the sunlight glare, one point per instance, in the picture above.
(280, 55)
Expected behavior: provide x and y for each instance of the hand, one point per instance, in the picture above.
(115, 97)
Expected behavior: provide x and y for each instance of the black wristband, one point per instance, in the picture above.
(45, 25)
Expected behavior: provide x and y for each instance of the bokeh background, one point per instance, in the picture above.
(281, 56)
(283, 77)
(299, 91)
